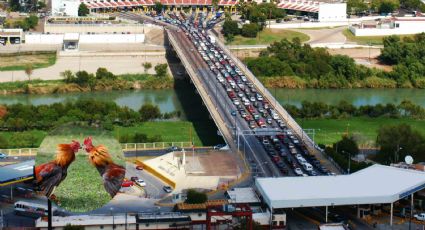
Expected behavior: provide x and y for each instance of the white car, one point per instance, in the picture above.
(140, 182)
(420, 216)
(236, 102)
(3, 156)
(298, 171)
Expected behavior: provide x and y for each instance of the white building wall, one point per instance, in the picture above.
(404, 27)
(332, 12)
(65, 7)
(85, 38)
(112, 38)
(44, 38)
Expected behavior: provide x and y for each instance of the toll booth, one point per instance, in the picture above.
(11, 36)
(71, 41)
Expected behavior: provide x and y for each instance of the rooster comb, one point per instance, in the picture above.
(88, 141)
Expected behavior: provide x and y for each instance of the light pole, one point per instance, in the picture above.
(349, 161)
(396, 153)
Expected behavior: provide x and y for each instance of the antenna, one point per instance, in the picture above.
(408, 159)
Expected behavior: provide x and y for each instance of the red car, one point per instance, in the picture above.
(127, 183)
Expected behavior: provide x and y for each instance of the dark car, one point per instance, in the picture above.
(167, 189)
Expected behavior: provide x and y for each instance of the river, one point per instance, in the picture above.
(168, 100)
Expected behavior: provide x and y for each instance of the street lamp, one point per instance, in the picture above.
(349, 161)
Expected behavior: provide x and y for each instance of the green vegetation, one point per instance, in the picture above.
(360, 7)
(89, 193)
(20, 61)
(293, 65)
(161, 70)
(83, 10)
(169, 131)
(368, 40)
(82, 81)
(26, 23)
(398, 141)
(30, 139)
(195, 197)
(364, 129)
(407, 56)
(268, 36)
(343, 109)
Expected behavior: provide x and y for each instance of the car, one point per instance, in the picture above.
(3, 156)
(420, 216)
(173, 149)
(134, 178)
(140, 182)
(167, 189)
(219, 146)
(127, 183)
(139, 167)
(298, 171)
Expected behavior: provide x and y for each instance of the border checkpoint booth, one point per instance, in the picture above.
(71, 41)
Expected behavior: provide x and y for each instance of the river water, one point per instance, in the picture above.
(168, 100)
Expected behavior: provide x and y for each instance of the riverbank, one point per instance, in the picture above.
(122, 82)
(23, 60)
(294, 82)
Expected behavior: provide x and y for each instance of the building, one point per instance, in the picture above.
(377, 184)
(11, 36)
(65, 8)
(392, 26)
(118, 222)
(322, 11)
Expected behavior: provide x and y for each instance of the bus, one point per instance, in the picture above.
(32, 209)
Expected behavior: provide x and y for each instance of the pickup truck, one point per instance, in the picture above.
(420, 216)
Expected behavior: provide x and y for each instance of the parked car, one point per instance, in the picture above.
(167, 189)
(420, 216)
(219, 146)
(134, 178)
(3, 156)
(140, 182)
(127, 183)
(139, 167)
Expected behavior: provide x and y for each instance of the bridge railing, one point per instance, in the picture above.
(154, 145)
(20, 152)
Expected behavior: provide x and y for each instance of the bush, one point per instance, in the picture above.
(250, 30)
(230, 27)
(194, 197)
(149, 112)
(161, 70)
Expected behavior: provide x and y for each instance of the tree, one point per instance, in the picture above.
(347, 146)
(230, 27)
(161, 70)
(83, 10)
(83, 78)
(397, 141)
(41, 5)
(386, 7)
(28, 71)
(149, 112)
(147, 66)
(194, 197)
(32, 21)
(14, 5)
(250, 30)
(103, 73)
(158, 7)
(68, 76)
(3, 143)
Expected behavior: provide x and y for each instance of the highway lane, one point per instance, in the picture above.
(225, 107)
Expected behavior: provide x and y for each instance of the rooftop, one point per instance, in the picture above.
(373, 185)
(16, 172)
(242, 195)
(191, 207)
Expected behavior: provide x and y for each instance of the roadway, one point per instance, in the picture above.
(153, 188)
(219, 99)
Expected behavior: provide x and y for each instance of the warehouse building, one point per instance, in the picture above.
(322, 11)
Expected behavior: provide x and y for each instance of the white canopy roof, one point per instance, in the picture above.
(374, 185)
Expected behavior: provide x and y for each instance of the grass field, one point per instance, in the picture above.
(268, 36)
(177, 131)
(366, 40)
(365, 129)
(19, 62)
(82, 190)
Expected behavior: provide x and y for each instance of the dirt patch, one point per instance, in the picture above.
(217, 163)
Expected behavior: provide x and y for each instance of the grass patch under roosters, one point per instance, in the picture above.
(82, 190)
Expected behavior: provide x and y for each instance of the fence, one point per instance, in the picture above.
(20, 152)
(154, 145)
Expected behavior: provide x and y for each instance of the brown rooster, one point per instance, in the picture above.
(111, 173)
(49, 175)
